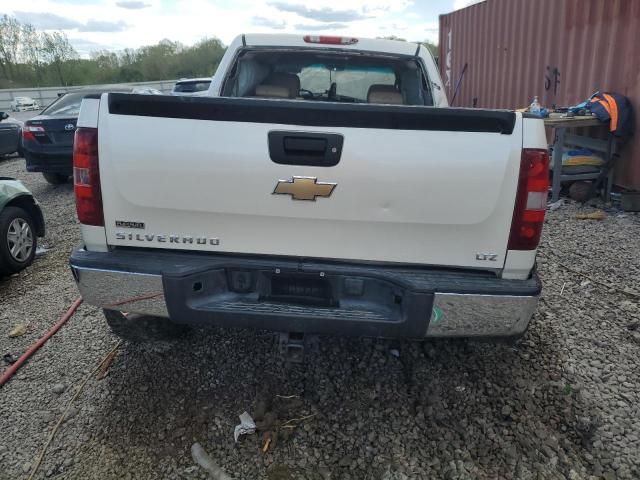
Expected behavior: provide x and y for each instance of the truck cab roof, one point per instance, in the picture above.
(396, 47)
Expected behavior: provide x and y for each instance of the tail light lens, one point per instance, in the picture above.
(531, 200)
(86, 177)
(330, 40)
(29, 130)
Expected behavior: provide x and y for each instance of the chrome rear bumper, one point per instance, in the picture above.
(452, 314)
(124, 291)
(468, 315)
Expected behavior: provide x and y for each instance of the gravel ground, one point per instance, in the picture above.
(561, 404)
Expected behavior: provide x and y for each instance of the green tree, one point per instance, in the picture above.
(201, 60)
(31, 47)
(158, 61)
(10, 35)
(29, 58)
(57, 51)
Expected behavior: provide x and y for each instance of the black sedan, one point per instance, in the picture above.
(10, 129)
(47, 139)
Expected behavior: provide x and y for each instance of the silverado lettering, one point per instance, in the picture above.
(150, 237)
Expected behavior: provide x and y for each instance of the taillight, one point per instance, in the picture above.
(531, 200)
(29, 130)
(86, 177)
(330, 40)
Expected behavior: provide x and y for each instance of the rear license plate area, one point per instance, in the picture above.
(300, 289)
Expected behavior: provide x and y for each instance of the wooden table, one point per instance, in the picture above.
(561, 138)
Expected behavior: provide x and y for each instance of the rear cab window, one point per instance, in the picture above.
(330, 76)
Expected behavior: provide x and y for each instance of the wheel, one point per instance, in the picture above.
(55, 178)
(18, 240)
(143, 328)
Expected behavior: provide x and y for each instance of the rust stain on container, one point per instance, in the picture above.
(560, 50)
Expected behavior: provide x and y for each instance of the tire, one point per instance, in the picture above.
(18, 240)
(55, 178)
(143, 328)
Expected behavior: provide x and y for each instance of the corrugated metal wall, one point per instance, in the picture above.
(560, 50)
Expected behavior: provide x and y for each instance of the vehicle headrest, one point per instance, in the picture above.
(388, 94)
(290, 81)
(272, 91)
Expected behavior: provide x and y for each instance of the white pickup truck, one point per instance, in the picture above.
(324, 185)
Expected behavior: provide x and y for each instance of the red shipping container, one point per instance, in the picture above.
(560, 50)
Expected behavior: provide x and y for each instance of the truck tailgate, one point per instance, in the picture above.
(412, 184)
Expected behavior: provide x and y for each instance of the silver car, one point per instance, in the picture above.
(21, 104)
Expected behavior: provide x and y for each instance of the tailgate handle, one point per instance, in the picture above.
(305, 148)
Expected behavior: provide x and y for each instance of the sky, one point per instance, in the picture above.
(117, 24)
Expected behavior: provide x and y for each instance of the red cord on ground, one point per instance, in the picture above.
(8, 373)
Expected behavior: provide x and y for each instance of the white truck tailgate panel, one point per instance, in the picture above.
(426, 197)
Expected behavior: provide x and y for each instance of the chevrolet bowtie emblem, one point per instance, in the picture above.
(304, 188)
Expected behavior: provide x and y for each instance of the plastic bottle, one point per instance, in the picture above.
(535, 106)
